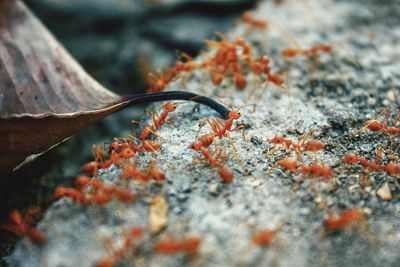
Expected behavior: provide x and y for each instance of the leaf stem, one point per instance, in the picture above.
(177, 95)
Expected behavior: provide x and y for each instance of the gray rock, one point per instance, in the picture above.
(261, 195)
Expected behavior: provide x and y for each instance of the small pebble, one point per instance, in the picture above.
(213, 190)
(384, 192)
(391, 96)
(182, 197)
(366, 147)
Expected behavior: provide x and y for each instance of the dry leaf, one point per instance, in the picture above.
(45, 96)
(158, 217)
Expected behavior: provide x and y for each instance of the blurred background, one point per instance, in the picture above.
(118, 42)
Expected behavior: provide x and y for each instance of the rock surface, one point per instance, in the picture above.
(350, 87)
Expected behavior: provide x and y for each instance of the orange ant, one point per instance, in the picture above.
(151, 145)
(280, 140)
(240, 81)
(154, 173)
(90, 168)
(221, 128)
(225, 174)
(99, 162)
(157, 84)
(136, 173)
(347, 219)
(248, 18)
(187, 66)
(20, 227)
(313, 51)
(217, 78)
(264, 238)
(189, 246)
(204, 141)
(377, 126)
(72, 193)
(390, 168)
(201, 144)
(101, 193)
(124, 195)
(126, 153)
(289, 164)
(317, 170)
(82, 181)
(120, 253)
(313, 169)
(207, 154)
(145, 133)
(303, 145)
(157, 122)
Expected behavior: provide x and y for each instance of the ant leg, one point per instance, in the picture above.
(170, 119)
(153, 119)
(213, 125)
(220, 122)
(243, 129)
(201, 125)
(370, 122)
(285, 87)
(235, 154)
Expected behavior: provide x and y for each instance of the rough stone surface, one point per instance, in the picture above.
(351, 86)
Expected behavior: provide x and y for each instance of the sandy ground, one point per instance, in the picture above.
(351, 85)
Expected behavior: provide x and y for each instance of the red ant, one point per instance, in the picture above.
(264, 238)
(134, 172)
(377, 126)
(101, 193)
(317, 170)
(390, 167)
(187, 66)
(157, 84)
(151, 145)
(154, 173)
(248, 18)
(204, 141)
(347, 219)
(240, 80)
(124, 195)
(127, 247)
(145, 133)
(189, 246)
(221, 128)
(225, 174)
(201, 144)
(72, 193)
(157, 122)
(313, 51)
(313, 169)
(312, 145)
(289, 164)
(20, 227)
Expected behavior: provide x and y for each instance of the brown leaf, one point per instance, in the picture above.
(45, 96)
(158, 217)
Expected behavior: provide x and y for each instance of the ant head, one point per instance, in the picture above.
(114, 146)
(278, 139)
(264, 60)
(234, 115)
(127, 153)
(170, 107)
(240, 41)
(16, 217)
(196, 146)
